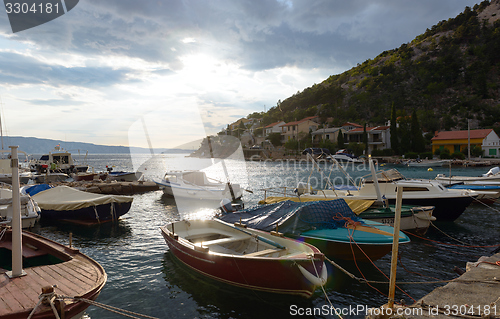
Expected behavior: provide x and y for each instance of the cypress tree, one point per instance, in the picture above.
(417, 139)
(365, 139)
(394, 131)
(340, 140)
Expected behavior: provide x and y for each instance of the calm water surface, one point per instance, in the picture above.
(144, 277)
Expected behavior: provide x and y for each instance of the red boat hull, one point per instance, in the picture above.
(275, 275)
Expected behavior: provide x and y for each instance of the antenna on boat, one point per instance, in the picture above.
(375, 181)
(17, 249)
(233, 198)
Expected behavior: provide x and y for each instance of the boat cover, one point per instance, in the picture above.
(357, 205)
(67, 198)
(295, 217)
(35, 189)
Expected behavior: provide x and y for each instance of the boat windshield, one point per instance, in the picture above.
(387, 176)
(61, 159)
(171, 178)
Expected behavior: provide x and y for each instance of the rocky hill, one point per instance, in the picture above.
(448, 74)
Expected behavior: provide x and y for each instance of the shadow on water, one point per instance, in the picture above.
(220, 300)
(108, 233)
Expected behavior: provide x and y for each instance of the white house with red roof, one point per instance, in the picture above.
(273, 127)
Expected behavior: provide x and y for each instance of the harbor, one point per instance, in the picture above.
(144, 277)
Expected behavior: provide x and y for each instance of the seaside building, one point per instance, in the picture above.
(458, 141)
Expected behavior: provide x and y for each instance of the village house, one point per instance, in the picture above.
(323, 134)
(379, 137)
(295, 130)
(273, 128)
(458, 141)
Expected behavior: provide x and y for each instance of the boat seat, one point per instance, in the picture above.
(29, 250)
(264, 252)
(225, 240)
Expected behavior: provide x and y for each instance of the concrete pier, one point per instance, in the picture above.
(475, 294)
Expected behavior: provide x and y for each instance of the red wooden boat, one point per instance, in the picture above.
(247, 258)
(46, 263)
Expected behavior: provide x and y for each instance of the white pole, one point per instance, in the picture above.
(375, 180)
(17, 249)
(395, 246)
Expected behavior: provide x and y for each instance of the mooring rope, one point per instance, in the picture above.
(116, 310)
(323, 289)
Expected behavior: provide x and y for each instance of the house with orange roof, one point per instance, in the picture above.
(293, 130)
(379, 137)
(458, 141)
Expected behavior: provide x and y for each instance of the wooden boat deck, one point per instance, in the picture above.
(78, 276)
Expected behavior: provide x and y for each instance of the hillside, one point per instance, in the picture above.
(448, 74)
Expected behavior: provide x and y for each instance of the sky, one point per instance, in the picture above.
(163, 73)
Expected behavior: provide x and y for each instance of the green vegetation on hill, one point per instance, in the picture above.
(447, 75)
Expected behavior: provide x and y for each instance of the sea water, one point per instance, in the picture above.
(144, 277)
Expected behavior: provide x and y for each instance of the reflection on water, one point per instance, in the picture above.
(144, 277)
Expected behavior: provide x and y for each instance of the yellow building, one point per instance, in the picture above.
(457, 141)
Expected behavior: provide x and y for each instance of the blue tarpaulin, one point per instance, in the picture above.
(295, 217)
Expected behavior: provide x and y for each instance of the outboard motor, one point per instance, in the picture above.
(302, 188)
(491, 172)
(226, 206)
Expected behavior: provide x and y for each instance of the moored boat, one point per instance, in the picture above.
(246, 258)
(493, 175)
(46, 263)
(30, 212)
(196, 185)
(329, 225)
(124, 176)
(57, 161)
(64, 203)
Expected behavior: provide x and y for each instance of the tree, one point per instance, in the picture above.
(340, 140)
(365, 139)
(394, 131)
(275, 138)
(417, 140)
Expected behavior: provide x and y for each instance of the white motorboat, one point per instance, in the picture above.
(196, 185)
(428, 163)
(344, 156)
(58, 160)
(30, 212)
(6, 171)
(493, 175)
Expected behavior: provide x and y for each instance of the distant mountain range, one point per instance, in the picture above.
(33, 145)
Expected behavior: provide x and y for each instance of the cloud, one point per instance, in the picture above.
(257, 35)
(19, 69)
